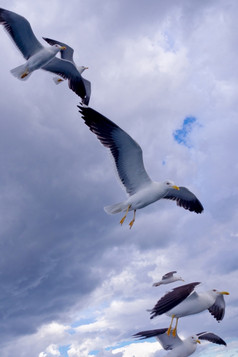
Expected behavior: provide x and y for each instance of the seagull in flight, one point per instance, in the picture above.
(67, 55)
(128, 158)
(177, 346)
(168, 278)
(184, 301)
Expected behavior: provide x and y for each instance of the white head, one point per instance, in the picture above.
(170, 184)
(81, 69)
(58, 48)
(193, 339)
(215, 292)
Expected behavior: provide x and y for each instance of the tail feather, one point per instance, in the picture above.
(118, 207)
(157, 284)
(21, 72)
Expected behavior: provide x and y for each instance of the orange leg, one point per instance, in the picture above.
(123, 218)
(133, 220)
(175, 328)
(170, 326)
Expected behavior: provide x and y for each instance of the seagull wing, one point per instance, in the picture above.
(66, 54)
(21, 32)
(211, 337)
(126, 152)
(87, 85)
(168, 275)
(67, 70)
(185, 199)
(172, 299)
(218, 308)
(167, 342)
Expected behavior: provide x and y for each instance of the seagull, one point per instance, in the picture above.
(168, 278)
(36, 55)
(128, 158)
(179, 347)
(183, 301)
(67, 55)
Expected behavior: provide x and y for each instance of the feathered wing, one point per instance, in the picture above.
(21, 32)
(66, 54)
(185, 199)
(218, 308)
(211, 337)
(172, 299)
(67, 70)
(87, 85)
(126, 152)
(167, 342)
(168, 275)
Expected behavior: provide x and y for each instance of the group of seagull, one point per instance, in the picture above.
(128, 157)
(183, 301)
(126, 152)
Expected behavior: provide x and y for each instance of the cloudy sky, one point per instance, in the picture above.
(74, 283)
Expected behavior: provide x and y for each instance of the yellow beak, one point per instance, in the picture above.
(224, 293)
(198, 341)
(63, 48)
(176, 187)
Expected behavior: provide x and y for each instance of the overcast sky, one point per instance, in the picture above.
(73, 281)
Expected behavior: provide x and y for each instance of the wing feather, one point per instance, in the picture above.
(185, 199)
(172, 299)
(211, 337)
(21, 32)
(67, 70)
(218, 308)
(168, 342)
(126, 152)
(66, 54)
(169, 275)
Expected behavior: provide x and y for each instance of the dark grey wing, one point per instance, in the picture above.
(87, 86)
(21, 32)
(218, 308)
(126, 152)
(66, 54)
(185, 199)
(172, 299)
(150, 333)
(167, 342)
(168, 275)
(211, 337)
(67, 70)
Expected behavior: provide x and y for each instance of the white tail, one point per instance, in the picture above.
(21, 72)
(118, 207)
(157, 284)
(57, 80)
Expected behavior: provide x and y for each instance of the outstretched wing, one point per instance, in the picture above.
(185, 199)
(218, 308)
(87, 85)
(67, 70)
(126, 152)
(21, 32)
(168, 342)
(172, 299)
(168, 275)
(66, 54)
(211, 337)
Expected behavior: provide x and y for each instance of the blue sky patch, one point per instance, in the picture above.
(64, 350)
(182, 135)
